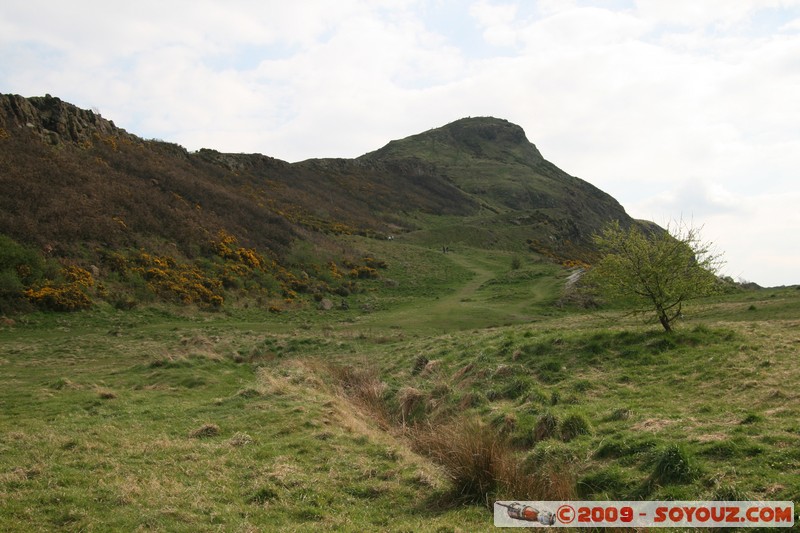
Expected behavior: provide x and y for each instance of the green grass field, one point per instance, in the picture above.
(170, 419)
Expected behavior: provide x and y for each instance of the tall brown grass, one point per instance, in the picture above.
(482, 465)
(362, 385)
(479, 461)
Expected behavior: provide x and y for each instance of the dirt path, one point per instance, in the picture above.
(467, 291)
(460, 309)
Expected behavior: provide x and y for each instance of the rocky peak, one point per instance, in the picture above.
(54, 120)
(493, 138)
(485, 138)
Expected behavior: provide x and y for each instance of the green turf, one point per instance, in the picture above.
(171, 419)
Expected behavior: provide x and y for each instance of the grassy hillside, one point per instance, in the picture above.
(349, 345)
(170, 419)
(99, 204)
(524, 199)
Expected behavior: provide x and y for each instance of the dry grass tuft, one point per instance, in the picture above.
(167, 359)
(106, 393)
(271, 383)
(545, 428)
(652, 424)
(463, 371)
(364, 387)
(431, 367)
(206, 430)
(422, 478)
(240, 439)
(411, 400)
(481, 464)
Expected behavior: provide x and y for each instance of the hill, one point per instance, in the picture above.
(86, 193)
(436, 383)
(522, 196)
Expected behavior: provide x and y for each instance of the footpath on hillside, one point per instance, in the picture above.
(469, 305)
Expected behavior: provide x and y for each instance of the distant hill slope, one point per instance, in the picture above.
(521, 193)
(71, 176)
(74, 183)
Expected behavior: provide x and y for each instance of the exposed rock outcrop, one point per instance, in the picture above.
(54, 120)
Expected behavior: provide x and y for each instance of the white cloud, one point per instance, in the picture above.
(497, 21)
(696, 198)
(552, 7)
(757, 234)
(791, 26)
(692, 14)
(761, 243)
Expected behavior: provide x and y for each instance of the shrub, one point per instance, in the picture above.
(610, 481)
(419, 364)
(25, 263)
(481, 464)
(574, 425)
(364, 272)
(545, 428)
(69, 297)
(176, 282)
(412, 404)
(673, 465)
(364, 386)
(263, 495)
(123, 302)
(20, 267)
(516, 388)
(751, 418)
(621, 413)
(206, 430)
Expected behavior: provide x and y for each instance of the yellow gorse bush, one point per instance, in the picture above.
(177, 282)
(71, 295)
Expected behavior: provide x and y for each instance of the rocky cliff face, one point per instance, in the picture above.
(52, 119)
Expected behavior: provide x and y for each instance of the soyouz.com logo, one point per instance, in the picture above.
(643, 514)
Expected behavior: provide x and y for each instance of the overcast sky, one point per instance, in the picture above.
(677, 108)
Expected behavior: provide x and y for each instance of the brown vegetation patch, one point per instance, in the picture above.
(652, 424)
(463, 371)
(364, 386)
(481, 464)
(410, 399)
(240, 439)
(711, 437)
(431, 367)
(106, 393)
(204, 431)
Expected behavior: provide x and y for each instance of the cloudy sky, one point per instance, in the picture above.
(678, 108)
